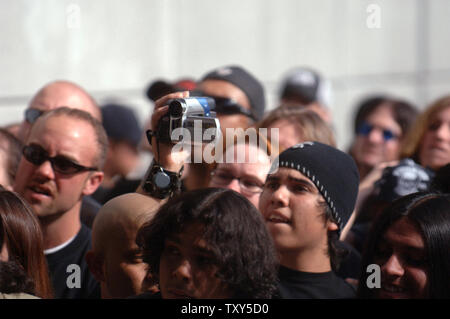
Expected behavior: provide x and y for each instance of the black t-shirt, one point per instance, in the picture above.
(68, 282)
(305, 285)
(350, 266)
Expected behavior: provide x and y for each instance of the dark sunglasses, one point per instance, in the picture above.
(365, 128)
(227, 106)
(31, 115)
(37, 155)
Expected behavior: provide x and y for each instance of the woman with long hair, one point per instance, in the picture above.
(428, 141)
(21, 240)
(410, 243)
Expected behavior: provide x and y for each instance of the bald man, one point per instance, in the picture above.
(115, 260)
(54, 95)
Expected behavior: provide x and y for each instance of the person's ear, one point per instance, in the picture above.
(332, 226)
(95, 265)
(92, 183)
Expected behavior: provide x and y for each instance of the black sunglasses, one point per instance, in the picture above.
(31, 115)
(37, 155)
(227, 106)
(365, 128)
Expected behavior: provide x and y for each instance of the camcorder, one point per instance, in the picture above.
(194, 115)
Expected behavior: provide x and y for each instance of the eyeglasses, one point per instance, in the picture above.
(248, 185)
(365, 128)
(31, 115)
(37, 155)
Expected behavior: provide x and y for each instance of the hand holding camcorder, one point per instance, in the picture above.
(191, 120)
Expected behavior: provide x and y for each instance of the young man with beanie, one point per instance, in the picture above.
(307, 199)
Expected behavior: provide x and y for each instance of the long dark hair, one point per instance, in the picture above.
(404, 112)
(233, 228)
(20, 229)
(431, 213)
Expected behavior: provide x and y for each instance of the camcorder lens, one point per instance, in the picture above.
(175, 108)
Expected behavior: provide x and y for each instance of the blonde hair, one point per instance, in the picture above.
(310, 125)
(413, 139)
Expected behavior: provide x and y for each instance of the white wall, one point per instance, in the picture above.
(115, 48)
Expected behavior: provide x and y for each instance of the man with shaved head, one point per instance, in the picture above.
(54, 95)
(62, 162)
(115, 259)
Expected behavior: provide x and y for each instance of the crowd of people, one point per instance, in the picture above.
(94, 206)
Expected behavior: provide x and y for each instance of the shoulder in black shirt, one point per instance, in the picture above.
(295, 284)
(73, 254)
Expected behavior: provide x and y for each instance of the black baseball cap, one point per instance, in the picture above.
(245, 81)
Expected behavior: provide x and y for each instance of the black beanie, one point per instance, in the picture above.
(332, 171)
(246, 82)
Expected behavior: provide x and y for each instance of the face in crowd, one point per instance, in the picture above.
(409, 242)
(288, 134)
(187, 268)
(52, 96)
(291, 206)
(198, 245)
(245, 177)
(434, 150)
(59, 165)
(115, 259)
(378, 138)
(401, 256)
(224, 89)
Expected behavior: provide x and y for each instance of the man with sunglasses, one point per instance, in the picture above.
(240, 102)
(380, 125)
(239, 96)
(62, 161)
(243, 171)
(54, 95)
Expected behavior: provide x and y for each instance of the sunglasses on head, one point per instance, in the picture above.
(365, 128)
(36, 155)
(31, 115)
